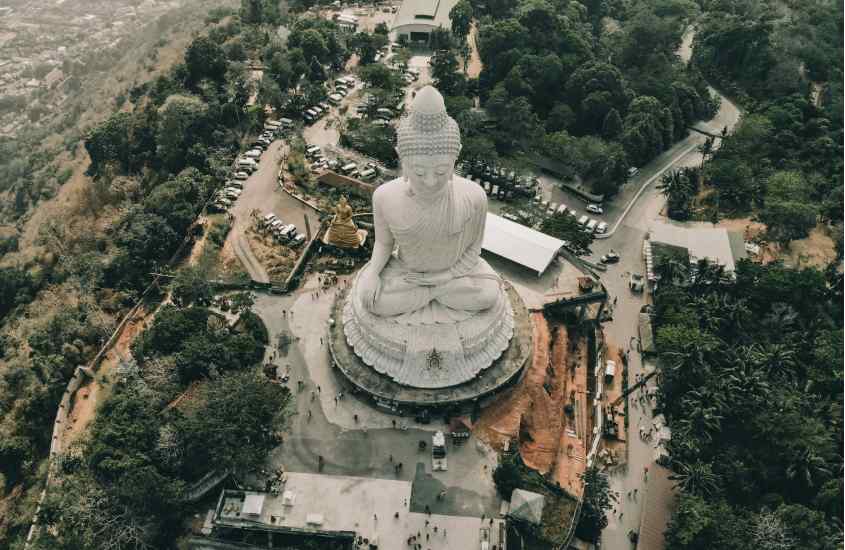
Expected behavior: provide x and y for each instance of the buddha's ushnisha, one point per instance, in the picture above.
(429, 226)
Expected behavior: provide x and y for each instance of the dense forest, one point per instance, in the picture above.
(782, 62)
(153, 168)
(751, 365)
(595, 86)
(751, 384)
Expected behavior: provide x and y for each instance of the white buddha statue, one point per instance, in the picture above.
(426, 288)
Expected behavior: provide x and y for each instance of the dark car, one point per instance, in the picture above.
(610, 258)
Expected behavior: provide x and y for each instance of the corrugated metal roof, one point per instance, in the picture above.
(701, 242)
(425, 12)
(519, 243)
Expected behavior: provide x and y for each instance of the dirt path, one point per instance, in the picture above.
(475, 66)
(88, 397)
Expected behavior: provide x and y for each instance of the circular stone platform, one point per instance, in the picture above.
(390, 394)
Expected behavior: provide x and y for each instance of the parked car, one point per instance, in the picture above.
(595, 209)
(298, 240)
(633, 171)
(610, 258)
(253, 154)
(312, 151)
(582, 221)
(591, 226)
(240, 175)
(269, 219)
(636, 282)
(601, 228)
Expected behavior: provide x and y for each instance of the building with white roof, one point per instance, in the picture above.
(351, 508)
(416, 19)
(697, 241)
(520, 244)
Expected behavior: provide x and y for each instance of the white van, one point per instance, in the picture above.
(601, 228)
(367, 174)
(247, 164)
(269, 219)
(591, 226)
(348, 168)
(312, 150)
(583, 220)
(287, 231)
(286, 123)
(298, 240)
(384, 112)
(253, 154)
(335, 99)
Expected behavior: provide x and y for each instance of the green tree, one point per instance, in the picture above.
(180, 124)
(444, 72)
(597, 500)
(205, 59)
(191, 287)
(232, 423)
(680, 188)
(566, 228)
(461, 18)
(612, 125)
(788, 212)
(696, 478)
(313, 44)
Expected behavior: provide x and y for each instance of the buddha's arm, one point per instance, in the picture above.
(384, 241)
(469, 259)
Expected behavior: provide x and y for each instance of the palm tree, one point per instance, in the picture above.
(702, 419)
(776, 358)
(806, 466)
(696, 478)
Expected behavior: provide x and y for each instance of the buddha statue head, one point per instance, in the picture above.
(428, 142)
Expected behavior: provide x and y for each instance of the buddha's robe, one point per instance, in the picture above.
(445, 234)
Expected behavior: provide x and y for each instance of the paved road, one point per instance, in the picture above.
(627, 240)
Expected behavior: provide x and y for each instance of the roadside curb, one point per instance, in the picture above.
(647, 183)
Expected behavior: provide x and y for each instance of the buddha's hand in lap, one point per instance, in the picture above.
(369, 285)
(437, 278)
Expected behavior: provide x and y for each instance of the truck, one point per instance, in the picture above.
(438, 452)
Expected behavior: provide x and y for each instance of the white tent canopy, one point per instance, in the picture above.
(519, 243)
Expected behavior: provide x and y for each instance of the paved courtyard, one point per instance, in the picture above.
(353, 438)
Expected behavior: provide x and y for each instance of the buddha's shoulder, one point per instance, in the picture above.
(470, 189)
(389, 191)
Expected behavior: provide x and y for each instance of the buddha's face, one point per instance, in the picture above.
(428, 174)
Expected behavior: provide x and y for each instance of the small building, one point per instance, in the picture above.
(520, 244)
(695, 242)
(416, 19)
(527, 506)
(347, 22)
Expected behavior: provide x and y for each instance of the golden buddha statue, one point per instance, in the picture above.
(343, 232)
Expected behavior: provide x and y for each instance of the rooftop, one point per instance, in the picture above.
(519, 243)
(424, 12)
(344, 505)
(712, 243)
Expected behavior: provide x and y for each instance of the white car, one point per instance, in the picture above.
(595, 209)
(240, 175)
(253, 154)
(633, 171)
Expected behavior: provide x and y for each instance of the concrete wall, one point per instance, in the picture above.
(351, 185)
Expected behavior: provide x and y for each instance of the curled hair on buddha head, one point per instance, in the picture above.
(428, 129)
